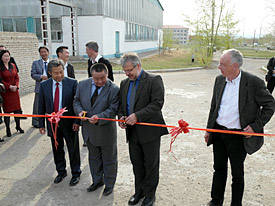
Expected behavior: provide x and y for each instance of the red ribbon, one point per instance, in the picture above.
(183, 127)
(54, 119)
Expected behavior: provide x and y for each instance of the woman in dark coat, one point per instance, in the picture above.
(11, 99)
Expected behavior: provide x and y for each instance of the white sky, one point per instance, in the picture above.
(253, 14)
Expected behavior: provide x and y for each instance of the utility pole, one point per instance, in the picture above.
(253, 39)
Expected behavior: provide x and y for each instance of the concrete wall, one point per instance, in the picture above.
(24, 48)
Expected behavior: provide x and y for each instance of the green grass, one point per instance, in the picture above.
(176, 58)
(249, 52)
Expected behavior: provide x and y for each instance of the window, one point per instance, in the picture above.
(20, 24)
(7, 25)
(56, 29)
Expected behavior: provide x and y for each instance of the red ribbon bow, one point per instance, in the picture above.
(183, 127)
(55, 119)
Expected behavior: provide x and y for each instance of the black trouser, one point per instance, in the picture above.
(145, 161)
(271, 84)
(228, 146)
(72, 142)
(17, 119)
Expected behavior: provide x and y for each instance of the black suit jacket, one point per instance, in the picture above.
(256, 107)
(149, 101)
(46, 102)
(270, 68)
(107, 63)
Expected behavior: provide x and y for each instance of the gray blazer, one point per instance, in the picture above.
(256, 107)
(36, 73)
(105, 106)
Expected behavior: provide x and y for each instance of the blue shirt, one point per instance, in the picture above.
(129, 90)
(94, 88)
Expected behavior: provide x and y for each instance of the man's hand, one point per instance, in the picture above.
(206, 136)
(44, 77)
(248, 129)
(122, 124)
(93, 119)
(81, 115)
(131, 120)
(75, 127)
(42, 130)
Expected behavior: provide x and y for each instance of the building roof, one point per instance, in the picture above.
(174, 27)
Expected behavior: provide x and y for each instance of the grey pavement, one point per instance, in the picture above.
(27, 169)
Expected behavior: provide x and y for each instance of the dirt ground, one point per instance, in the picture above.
(27, 169)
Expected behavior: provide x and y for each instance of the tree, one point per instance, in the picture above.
(167, 39)
(213, 28)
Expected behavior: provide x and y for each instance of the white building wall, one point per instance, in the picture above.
(103, 31)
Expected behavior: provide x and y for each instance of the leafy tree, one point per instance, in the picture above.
(167, 39)
(214, 27)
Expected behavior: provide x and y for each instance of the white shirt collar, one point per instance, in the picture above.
(96, 59)
(234, 81)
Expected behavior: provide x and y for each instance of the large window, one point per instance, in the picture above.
(20, 24)
(7, 25)
(56, 29)
(135, 32)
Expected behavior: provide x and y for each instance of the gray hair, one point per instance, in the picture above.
(130, 57)
(55, 63)
(92, 45)
(236, 56)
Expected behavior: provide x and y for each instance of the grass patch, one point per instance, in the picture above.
(173, 59)
(249, 52)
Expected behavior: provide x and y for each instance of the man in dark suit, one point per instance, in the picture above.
(270, 77)
(62, 53)
(39, 73)
(141, 100)
(240, 102)
(56, 93)
(99, 97)
(95, 57)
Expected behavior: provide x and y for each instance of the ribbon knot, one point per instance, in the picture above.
(54, 119)
(183, 127)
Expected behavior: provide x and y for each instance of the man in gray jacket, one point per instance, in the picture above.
(240, 102)
(99, 97)
(39, 73)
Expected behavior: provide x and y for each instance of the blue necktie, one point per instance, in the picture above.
(132, 97)
(46, 67)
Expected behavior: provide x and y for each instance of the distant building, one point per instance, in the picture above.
(180, 33)
(118, 26)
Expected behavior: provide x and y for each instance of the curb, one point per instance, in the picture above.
(151, 71)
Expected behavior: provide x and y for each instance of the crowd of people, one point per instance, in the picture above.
(240, 102)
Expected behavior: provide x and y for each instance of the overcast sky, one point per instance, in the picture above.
(253, 14)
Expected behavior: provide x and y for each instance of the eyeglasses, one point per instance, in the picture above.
(129, 70)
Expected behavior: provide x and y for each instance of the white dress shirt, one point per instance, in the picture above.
(65, 70)
(228, 115)
(96, 59)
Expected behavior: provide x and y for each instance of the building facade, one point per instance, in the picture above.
(180, 34)
(118, 26)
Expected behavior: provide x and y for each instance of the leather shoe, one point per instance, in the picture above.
(107, 191)
(148, 201)
(59, 178)
(135, 199)
(212, 204)
(74, 181)
(93, 187)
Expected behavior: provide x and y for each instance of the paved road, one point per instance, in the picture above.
(27, 169)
